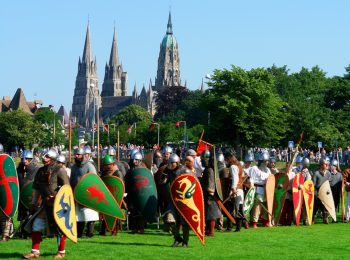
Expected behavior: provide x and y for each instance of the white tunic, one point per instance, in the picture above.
(259, 178)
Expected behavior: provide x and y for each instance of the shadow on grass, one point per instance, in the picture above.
(124, 243)
(20, 255)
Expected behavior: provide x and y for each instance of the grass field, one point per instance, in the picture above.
(319, 241)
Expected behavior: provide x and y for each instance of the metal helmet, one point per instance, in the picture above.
(111, 151)
(272, 159)
(334, 162)
(191, 152)
(1, 148)
(205, 154)
(27, 154)
(87, 149)
(137, 156)
(61, 158)
(51, 154)
(264, 156)
(249, 157)
(79, 151)
(299, 159)
(108, 159)
(324, 160)
(306, 162)
(133, 152)
(167, 149)
(220, 157)
(174, 158)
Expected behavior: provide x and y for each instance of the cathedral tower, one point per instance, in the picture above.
(168, 72)
(86, 97)
(115, 80)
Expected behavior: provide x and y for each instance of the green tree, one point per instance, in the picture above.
(18, 128)
(168, 101)
(245, 108)
(50, 121)
(132, 114)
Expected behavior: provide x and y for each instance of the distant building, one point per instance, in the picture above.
(19, 102)
(114, 95)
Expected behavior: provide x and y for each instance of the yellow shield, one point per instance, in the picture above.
(64, 212)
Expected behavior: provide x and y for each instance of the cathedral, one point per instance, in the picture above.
(114, 95)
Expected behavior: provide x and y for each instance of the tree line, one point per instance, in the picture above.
(260, 107)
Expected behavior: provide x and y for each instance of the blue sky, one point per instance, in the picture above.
(41, 41)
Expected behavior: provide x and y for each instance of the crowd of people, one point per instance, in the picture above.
(236, 178)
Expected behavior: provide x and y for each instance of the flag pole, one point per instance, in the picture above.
(70, 137)
(118, 143)
(98, 139)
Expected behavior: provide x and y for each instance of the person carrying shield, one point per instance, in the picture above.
(110, 168)
(320, 176)
(84, 215)
(26, 171)
(212, 210)
(47, 182)
(5, 222)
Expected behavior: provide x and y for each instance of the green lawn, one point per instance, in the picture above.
(318, 241)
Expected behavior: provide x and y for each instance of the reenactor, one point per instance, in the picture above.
(84, 215)
(47, 182)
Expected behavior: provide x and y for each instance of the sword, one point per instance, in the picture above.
(227, 213)
(263, 206)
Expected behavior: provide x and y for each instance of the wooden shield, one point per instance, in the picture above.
(64, 212)
(9, 187)
(91, 192)
(270, 192)
(116, 187)
(26, 194)
(218, 187)
(144, 193)
(248, 201)
(187, 196)
(297, 191)
(309, 191)
(282, 183)
(326, 197)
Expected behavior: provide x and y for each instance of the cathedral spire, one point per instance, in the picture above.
(87, 54)
(169, 29)
(114, 57)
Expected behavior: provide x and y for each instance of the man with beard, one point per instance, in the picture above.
(78, 170)
(47, 182)
(26, 171)
(212, 211)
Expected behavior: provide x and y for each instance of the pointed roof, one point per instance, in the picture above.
(87, 54)
(134, 93)
(19, 102)
(62, 112)
(143, 91)
(169, 29)
(114, 57)
(202, 87)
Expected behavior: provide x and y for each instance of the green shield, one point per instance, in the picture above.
(282, 183)
(248, 201)
(218, 187)
(26, 194)
(9, 187)
(91, 192)
(144, 193)
(116, 187)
